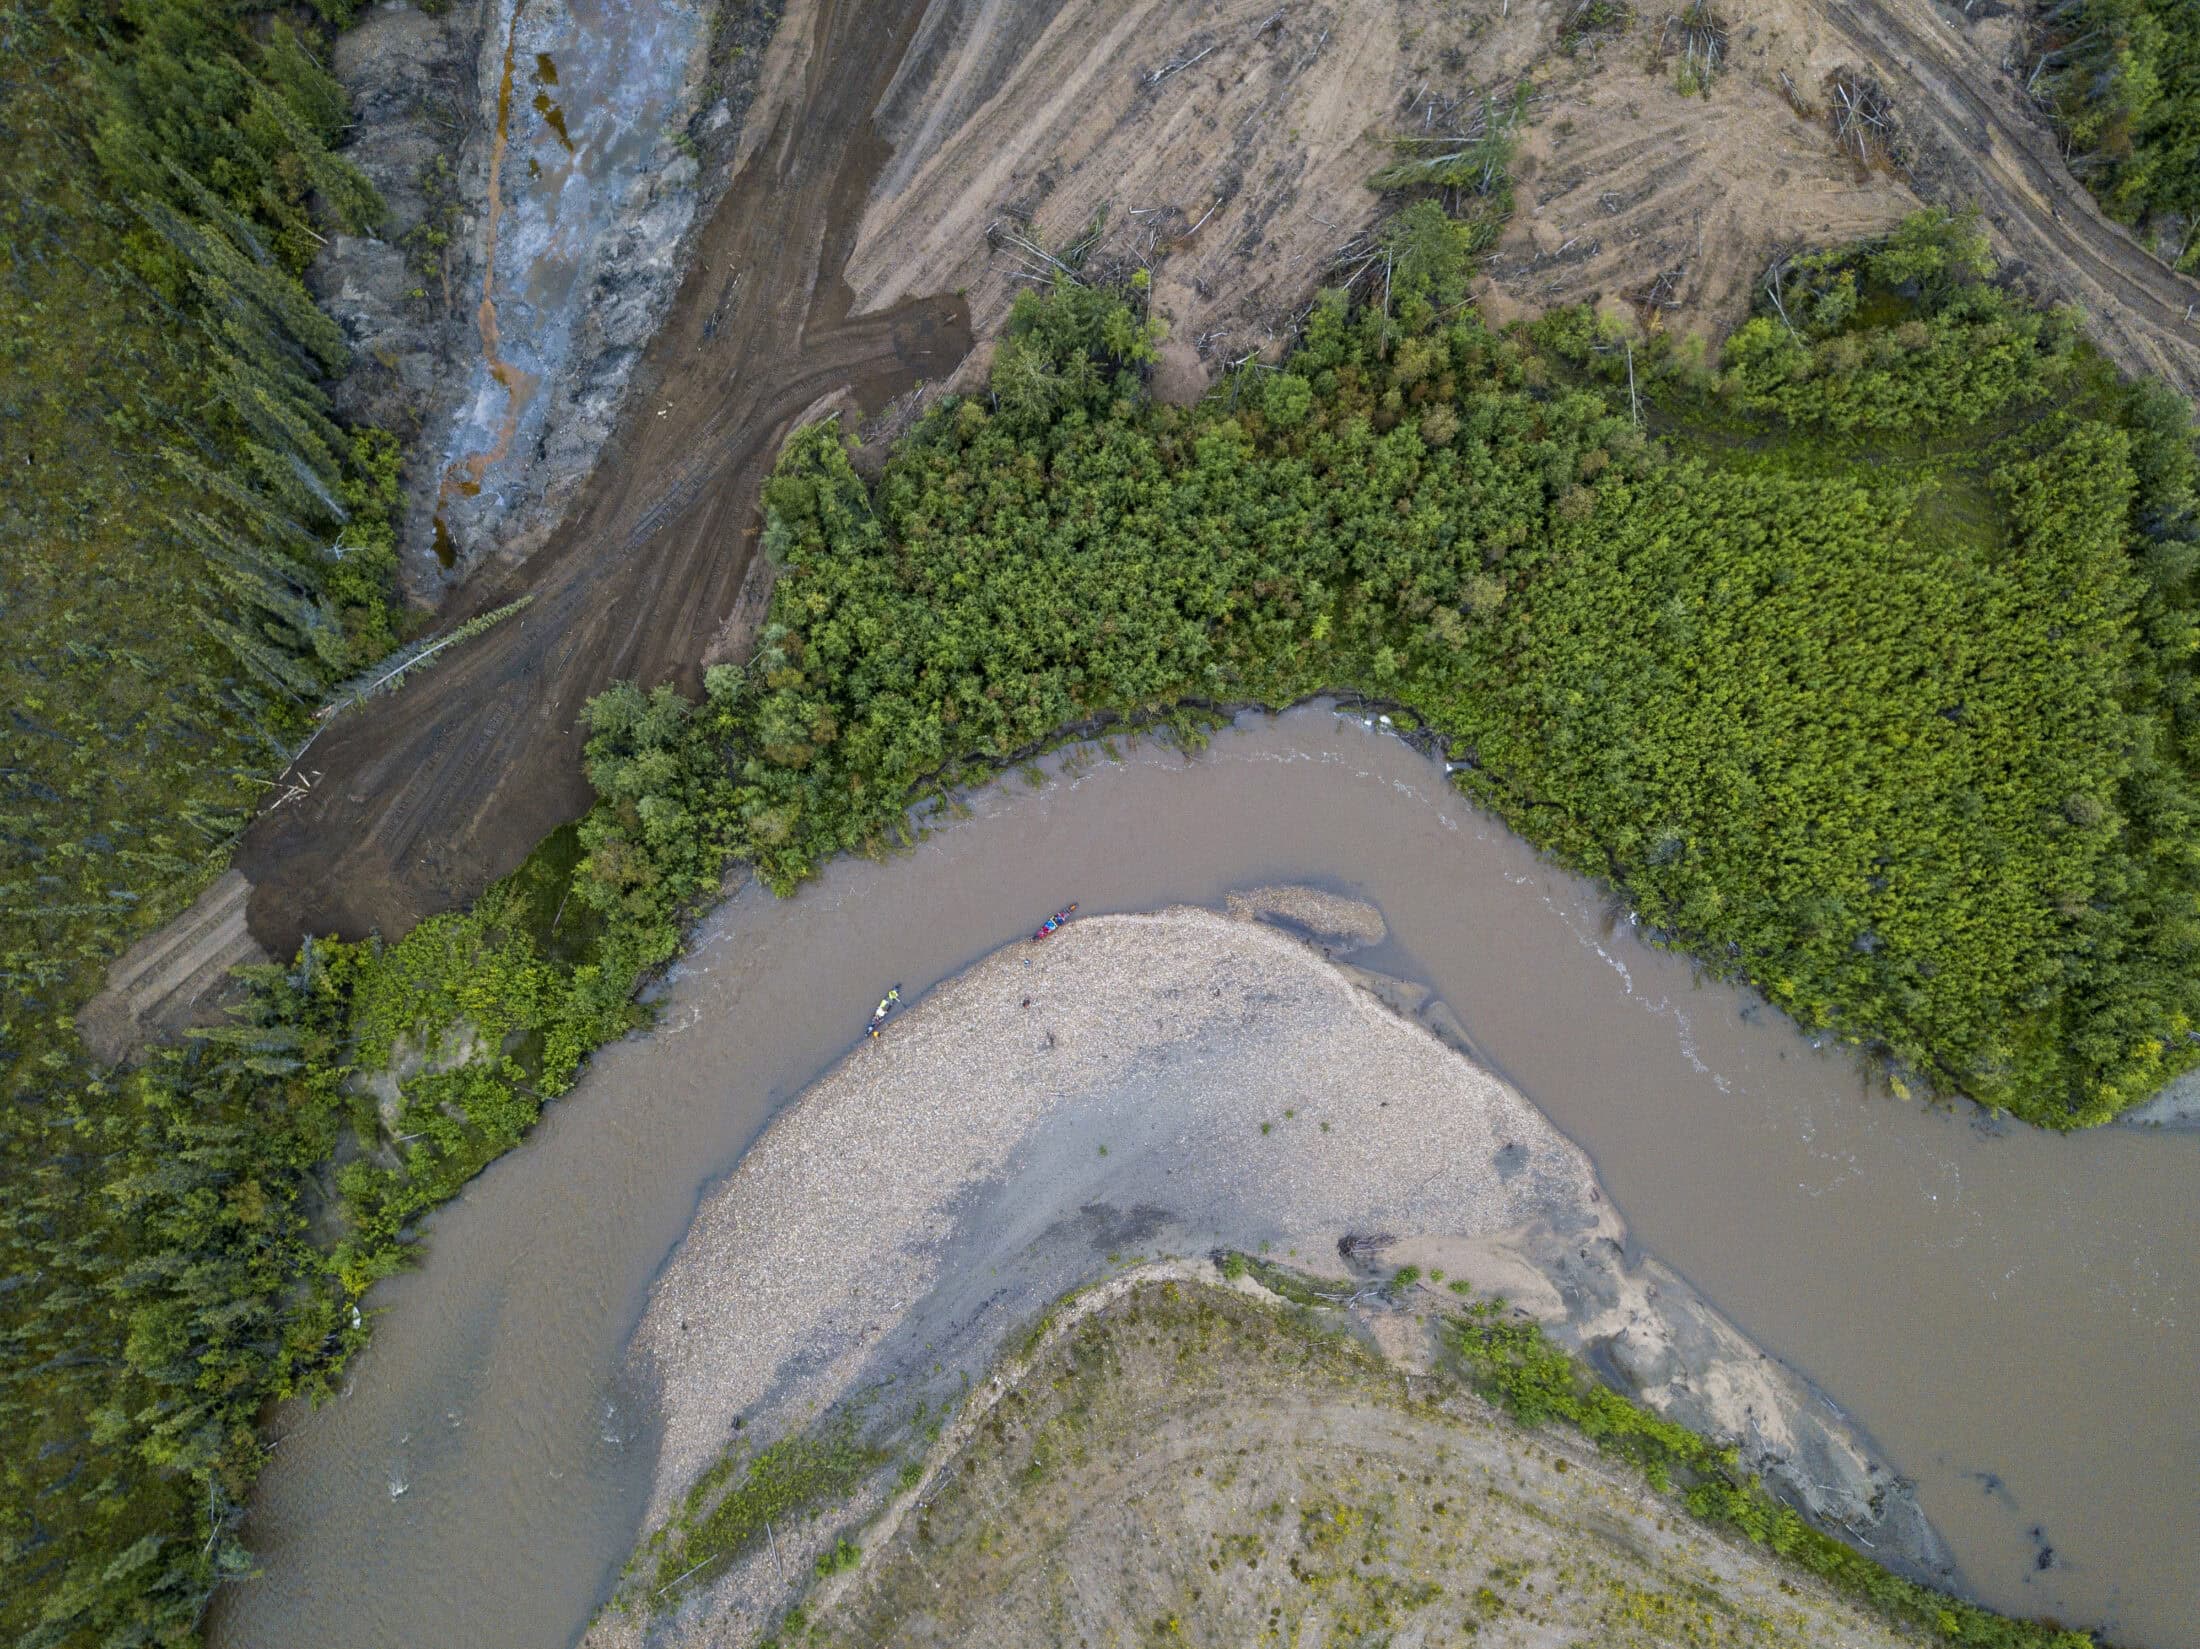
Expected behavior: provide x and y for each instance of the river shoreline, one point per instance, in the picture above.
(1918, 1267)
(1157, 1087)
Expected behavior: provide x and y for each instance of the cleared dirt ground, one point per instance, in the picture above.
(1632, 190)
(173, 978)
(1190, 1466)
(420, 801)
(1239, 176)
(1228, 141)
(1224, 143)
(1637, 194)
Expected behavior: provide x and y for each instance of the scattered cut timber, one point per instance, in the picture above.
(1228, 142)
(1632, 192)
(1228, 145)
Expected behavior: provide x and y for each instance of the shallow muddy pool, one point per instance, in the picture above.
(2016, 1317)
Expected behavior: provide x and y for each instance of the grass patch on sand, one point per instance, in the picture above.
(732, 1506)
(1509, 1359)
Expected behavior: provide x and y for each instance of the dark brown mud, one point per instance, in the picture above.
(425, 797)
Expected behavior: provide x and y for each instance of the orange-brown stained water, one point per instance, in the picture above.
(554, 118)
(2016, 1319)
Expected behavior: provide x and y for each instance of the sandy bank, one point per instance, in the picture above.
(2176, 1106)
(1144, 1086)
(1179, 1080)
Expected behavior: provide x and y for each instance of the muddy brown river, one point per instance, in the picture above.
(2015, 1316)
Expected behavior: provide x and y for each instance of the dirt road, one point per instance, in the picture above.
(1977, 141)
(427, 796)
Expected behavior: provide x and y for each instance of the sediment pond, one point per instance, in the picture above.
(2014, 1316)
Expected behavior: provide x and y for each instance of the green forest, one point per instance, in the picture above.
(2124, 78)
(1860, 664)
(194, 549)
(191, 552)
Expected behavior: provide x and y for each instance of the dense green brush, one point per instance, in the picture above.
(2125, 79)
(1878, 695)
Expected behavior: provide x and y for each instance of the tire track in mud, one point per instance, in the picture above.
(2144, 314)
(432, 793)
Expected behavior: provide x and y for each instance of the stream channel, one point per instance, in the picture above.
(2013, 1315)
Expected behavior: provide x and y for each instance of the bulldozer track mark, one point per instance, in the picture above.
(657, 551)
(2035, 194)
(648, 564)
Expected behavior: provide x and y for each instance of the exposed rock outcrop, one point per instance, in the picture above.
(543, 166)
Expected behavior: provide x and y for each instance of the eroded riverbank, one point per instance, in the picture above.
(1926, 1274)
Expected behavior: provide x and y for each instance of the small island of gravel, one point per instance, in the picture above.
(1136, 1097)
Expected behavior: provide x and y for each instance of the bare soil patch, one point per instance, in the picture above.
(1228, 146)
(1673, 202)
(174, 978)
(1634, 193)
(421, 800)
(1225, 142)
